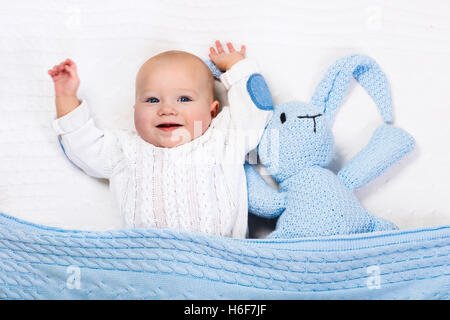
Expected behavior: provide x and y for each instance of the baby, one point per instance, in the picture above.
(183, 167)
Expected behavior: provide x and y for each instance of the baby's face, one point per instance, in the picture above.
(173, 104)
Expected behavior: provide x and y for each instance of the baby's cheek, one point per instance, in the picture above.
(206, 121)
(142, 120)
(197, 127)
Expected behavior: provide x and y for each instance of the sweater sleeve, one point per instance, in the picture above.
(91, 149)
(248, 120)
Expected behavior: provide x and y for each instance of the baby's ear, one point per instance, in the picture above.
(214, 108)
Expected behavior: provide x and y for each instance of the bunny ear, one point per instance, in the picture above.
(259, 92)
(331, 90)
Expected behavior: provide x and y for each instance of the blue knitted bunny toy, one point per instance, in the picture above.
(297, 145)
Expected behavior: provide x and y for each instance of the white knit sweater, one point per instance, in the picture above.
(198, 186)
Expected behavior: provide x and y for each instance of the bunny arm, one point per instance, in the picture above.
(387, 146)
(263, 200)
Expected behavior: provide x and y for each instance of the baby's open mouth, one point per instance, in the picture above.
(168, 126)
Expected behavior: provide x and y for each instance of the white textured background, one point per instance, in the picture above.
(294, 43)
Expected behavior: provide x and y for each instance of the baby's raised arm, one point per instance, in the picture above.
(248, 119)
(90, 148)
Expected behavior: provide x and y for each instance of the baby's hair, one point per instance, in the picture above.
(176, 54)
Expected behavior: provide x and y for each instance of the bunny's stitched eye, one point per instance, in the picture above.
(283, 118)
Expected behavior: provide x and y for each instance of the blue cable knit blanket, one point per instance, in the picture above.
(38, 262)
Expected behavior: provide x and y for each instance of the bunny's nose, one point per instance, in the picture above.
(311, 117)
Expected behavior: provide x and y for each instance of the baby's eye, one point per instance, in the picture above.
(183, 99)
(152, 100)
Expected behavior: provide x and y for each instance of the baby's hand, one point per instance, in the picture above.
(65, 78)
(224, 61)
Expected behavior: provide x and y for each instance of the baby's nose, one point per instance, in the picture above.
(166, 108)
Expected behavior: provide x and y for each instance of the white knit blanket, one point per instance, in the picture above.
(293, 41)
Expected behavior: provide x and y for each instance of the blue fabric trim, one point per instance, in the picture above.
(215, 71)
(259, 92)
(60, 144)
(65, 154)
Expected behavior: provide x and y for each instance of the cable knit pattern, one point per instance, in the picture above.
(176, 192)
(38, 262)
(191, 187)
